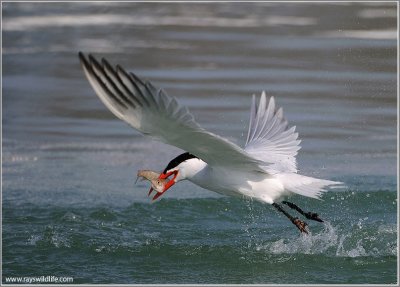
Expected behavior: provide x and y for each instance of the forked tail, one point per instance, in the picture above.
(307, 186)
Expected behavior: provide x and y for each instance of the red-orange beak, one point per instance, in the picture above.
(167, 185)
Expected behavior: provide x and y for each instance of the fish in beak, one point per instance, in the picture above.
(159, 182)
(168, 183)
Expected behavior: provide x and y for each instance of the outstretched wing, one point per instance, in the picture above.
(154, 113)
(268, 138)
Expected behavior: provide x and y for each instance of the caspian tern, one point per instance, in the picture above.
(265, 169)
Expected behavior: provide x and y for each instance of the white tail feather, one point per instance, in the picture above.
(307, 186)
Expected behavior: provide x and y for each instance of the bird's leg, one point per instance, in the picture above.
(301, 225)
(308, 215)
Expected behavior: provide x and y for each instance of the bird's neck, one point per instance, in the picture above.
(192, 168)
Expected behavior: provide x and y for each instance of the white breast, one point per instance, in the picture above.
(259, 186)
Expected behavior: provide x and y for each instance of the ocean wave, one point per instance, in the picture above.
(29, 23)
(377, 13)
(388, 34)
(209, 225)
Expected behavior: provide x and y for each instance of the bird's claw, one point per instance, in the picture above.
(301, 225)
(313, 216)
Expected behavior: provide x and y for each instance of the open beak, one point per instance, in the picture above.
(167, 185)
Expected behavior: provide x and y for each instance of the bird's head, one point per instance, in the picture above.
(182, 167)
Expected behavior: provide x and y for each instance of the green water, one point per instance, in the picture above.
(205, 241)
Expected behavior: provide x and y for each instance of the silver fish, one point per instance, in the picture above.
(152, 176)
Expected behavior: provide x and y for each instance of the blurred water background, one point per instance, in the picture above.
(69, 203)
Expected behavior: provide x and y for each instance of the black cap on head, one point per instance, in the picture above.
(178, 160)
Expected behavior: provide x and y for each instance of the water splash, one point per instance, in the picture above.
(51, 236)
(306, 244)
(337, 241)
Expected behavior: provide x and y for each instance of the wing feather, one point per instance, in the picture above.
(269, 138)
(252, 117)
(152, 112)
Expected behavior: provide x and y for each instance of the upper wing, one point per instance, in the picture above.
(153, 112)
(269, 139)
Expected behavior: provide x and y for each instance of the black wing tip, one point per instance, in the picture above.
(95, 67)
(94, 62)
(136, 78)
(108, 65)
(121, 70)
(118, 67)
(87, 61)
(82, 58)
(92, 58)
